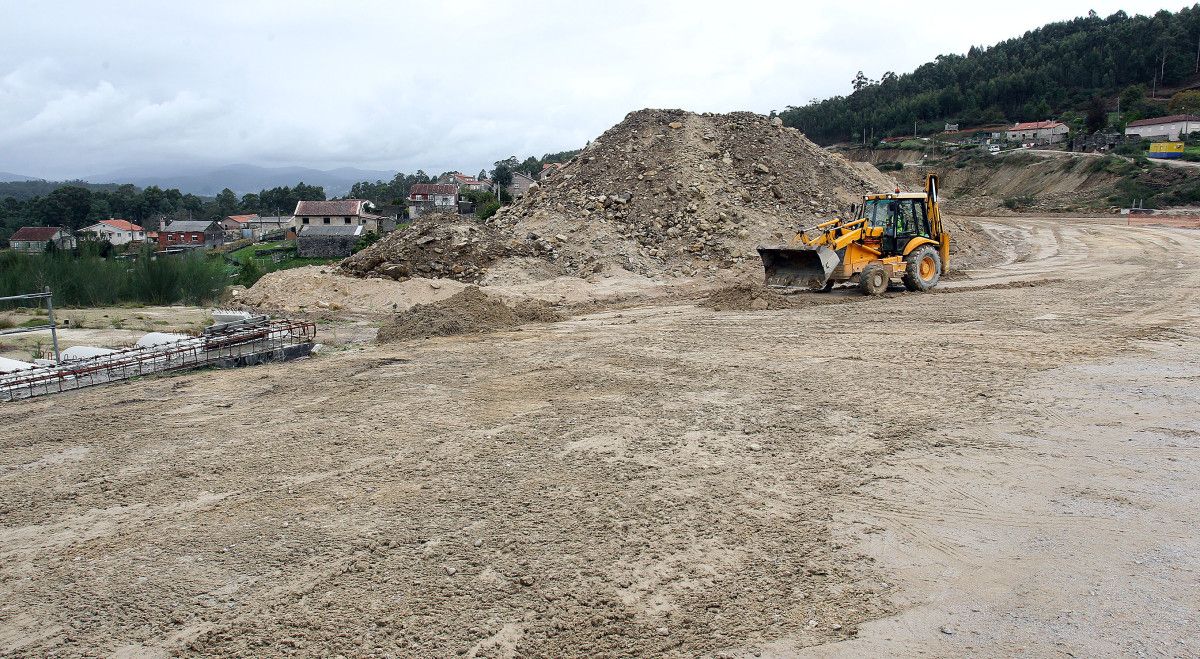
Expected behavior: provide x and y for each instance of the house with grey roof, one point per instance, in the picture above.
(34, 240)
(190, 234)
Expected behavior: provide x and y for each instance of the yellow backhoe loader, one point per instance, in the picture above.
(892, 236)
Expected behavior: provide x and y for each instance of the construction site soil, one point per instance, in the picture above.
(1004, 470)
(468, 312)
(685, 464)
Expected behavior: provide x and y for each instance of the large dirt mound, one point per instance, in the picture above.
(469, 312)
(313, 288)
(436, 245)
(672, 192)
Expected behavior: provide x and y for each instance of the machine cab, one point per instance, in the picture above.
(894, 219)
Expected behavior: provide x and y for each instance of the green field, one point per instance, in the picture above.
(252, 267)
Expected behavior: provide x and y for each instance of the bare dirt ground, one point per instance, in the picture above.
(1003, 467)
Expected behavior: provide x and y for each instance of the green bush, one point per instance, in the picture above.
(249, 272)
(1016, 203)
(487, 210)
(1130, 148)
(889, 166)
(366, 240)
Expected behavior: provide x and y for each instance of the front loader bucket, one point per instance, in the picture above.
(789, 267)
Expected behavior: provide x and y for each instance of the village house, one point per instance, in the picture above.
(549, 169)
(34, 240)
(1047, 132)
(190, 234)
(429, 197)
(520, 185)
(241, 226)
(115, 231)
(346, 212)
(332, 241)
(468, 182)
(1169, 128)
(271, 223)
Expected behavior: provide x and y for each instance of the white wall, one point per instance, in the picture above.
(117, 236)
(1170, 131)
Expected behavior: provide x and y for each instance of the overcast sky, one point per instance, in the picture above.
(90, 87)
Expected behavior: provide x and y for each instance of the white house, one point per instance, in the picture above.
(1038, 131)
(428, 197)
(345, 212)
(1164, 127)
(468, 182)
(117, 232)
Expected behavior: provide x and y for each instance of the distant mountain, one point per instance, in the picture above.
(242, 178)
(30, 188)
(7, 177)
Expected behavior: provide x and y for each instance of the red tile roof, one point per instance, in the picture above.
(1036, 125)
(433, 188)
(243, 219)
(338, 207)
(122, 225)
(1164, 120)
(36, 234)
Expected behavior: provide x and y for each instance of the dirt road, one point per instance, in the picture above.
(1005, 466)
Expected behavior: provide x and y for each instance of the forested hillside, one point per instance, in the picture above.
(1056, 68)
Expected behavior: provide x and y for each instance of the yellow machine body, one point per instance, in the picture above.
(893, 236)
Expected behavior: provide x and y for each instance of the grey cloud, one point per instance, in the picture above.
(88, 87)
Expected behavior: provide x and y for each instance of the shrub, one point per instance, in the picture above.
(366, 240)
(1015, 203)
(89, 281)
(487, 210)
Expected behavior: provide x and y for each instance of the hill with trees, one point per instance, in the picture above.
(395, 191)
(75, 204)
(1074, 66)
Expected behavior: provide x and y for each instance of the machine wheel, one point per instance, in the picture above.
(873, 280)
(923, 268)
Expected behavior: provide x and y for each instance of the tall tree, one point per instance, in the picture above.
(1097, 116)
(227, 203)
(859, 82)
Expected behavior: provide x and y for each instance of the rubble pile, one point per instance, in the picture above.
(436, 246)
(470, 311)
(669, 192)
(663, 193)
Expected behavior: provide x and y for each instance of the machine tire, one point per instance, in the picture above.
(873, 280)
(923, 268)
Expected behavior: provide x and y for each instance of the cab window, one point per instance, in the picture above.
(906, 215)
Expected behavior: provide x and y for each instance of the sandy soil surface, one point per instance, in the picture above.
(1003, 467)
